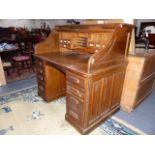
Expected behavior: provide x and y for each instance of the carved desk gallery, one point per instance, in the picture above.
(86, 63)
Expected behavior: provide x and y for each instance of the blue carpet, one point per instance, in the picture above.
(18, 85)
(5, 109)
(113, 127)
(110, 126)
(143, 117)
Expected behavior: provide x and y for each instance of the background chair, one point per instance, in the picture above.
(24, 59)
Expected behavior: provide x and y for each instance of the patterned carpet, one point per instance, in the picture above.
(24, 113)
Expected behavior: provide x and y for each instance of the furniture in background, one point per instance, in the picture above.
(2, 77)
(6, 34)
(86, 63)
(8, 47)
(102, 21)
(139, 80)
(24, 59)
(6, 54)
(145, 39)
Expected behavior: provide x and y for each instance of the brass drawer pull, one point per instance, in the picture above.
(75, 91)
(41, 88)
(74, 100)
(40, 63)
(41, 78)
(73, 114)
(73, 79)
(78, 93)
(41, 71)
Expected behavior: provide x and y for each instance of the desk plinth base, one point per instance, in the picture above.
(89, 128)
(51, 98)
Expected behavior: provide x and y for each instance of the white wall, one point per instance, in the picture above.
(31, 23)
(17, 23)
(50, 22)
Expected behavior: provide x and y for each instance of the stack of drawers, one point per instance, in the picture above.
(75, 97)
(40, 77)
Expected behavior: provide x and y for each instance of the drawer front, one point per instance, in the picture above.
(41, 89)
(40, 77)
(74, 108)
(39, 63)
(74, 104)
(74, 115)
(40, 70)
(75, 91)
(77, 80)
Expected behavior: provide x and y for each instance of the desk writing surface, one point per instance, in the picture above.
(76, 61)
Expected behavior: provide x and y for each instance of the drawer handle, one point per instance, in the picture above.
(40, 63)
(73, 79)
(41, 88)
(76, 91)
(41, 71)
(72, 113)
(74, 100)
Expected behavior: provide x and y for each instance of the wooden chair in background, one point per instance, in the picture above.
(24, 59)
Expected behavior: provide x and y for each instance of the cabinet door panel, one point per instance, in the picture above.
(117, 85)
(100, 98)
(52, 82)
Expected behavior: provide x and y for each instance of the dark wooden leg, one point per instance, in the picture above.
(8, 71)
(18, 68)
(13, 66)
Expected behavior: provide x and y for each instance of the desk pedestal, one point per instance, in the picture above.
(91, 99)
(51, 81)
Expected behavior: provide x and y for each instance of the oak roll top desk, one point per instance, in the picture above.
(86, 63)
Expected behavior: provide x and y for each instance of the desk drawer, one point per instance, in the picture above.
(75, 91)
(40, 70)
(74, 108)
(74, 103)
(75, 79)
(74, 115)
(40, 77)
(41, 89)
(39, 63)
